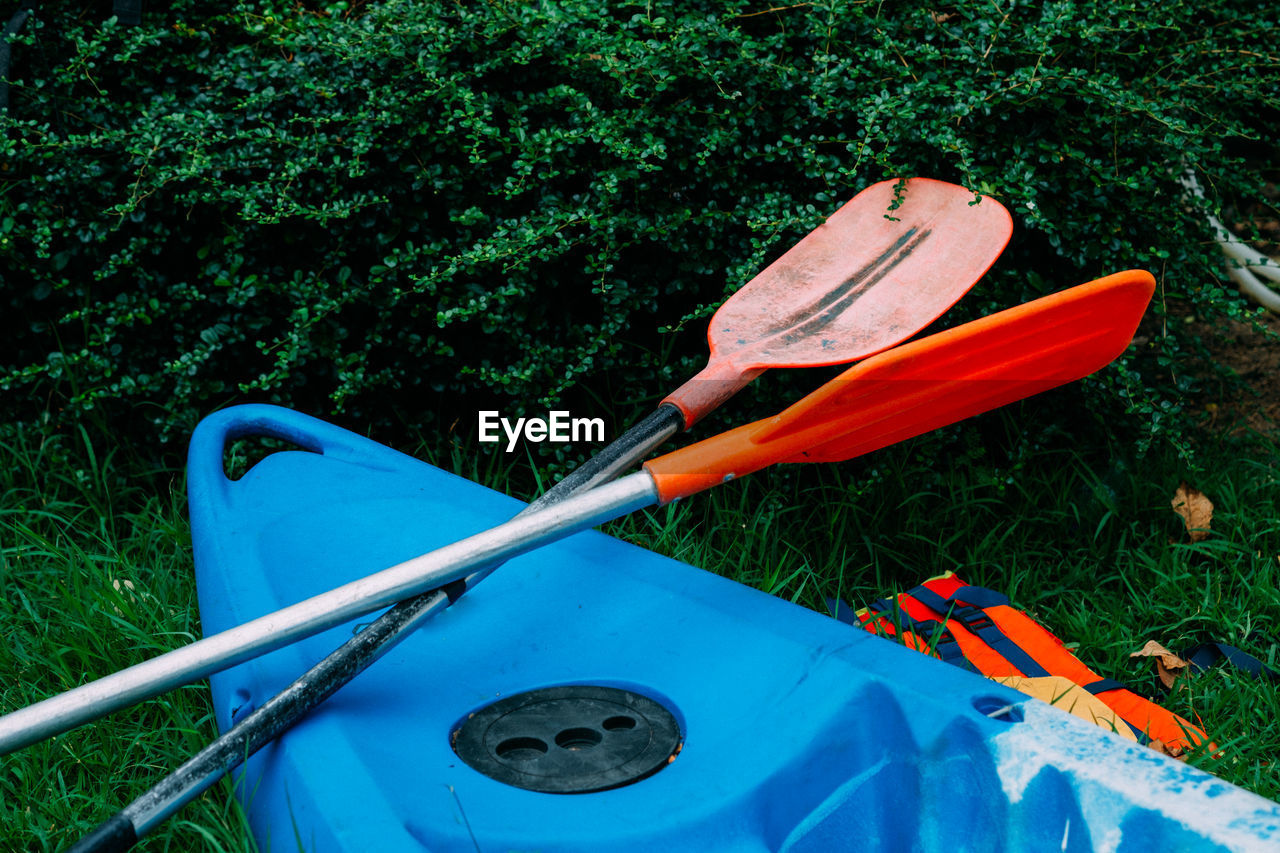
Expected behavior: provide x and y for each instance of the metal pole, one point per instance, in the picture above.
(274, 630)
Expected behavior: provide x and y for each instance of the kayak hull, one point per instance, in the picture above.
(798, 732)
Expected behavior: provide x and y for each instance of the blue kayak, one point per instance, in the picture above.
(594, 696)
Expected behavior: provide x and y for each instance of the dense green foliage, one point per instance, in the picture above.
(415, 209)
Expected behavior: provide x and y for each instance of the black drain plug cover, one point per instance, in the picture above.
(569, 740)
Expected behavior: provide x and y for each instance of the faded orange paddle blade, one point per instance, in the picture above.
(927, 384)
(868, 278)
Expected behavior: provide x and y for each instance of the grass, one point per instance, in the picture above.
(1086, 542)
(97, 569)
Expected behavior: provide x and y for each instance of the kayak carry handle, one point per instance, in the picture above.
(209, 442)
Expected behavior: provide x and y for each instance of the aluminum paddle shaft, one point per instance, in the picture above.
(274, 630)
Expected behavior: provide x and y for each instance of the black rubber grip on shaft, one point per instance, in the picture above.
(664, 421)
(113, 835)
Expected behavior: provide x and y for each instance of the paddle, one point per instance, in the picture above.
(863, 281)
(858, 284)
(947, 377)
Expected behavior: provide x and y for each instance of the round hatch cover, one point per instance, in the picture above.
(569, 740)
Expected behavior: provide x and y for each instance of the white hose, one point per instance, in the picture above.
(1244, 263)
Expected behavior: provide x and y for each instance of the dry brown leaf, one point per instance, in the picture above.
(1171, 751)
(1196, 511)
(1168, 665)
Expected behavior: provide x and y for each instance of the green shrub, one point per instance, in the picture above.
(406, 210)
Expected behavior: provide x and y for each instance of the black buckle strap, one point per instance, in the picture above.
(972, 618)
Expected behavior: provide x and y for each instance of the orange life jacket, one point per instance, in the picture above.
(977, 629)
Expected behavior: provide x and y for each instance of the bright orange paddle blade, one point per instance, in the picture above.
(867, 279)
(927, 384)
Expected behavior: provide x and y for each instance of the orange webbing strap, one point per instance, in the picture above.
(999, 640)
